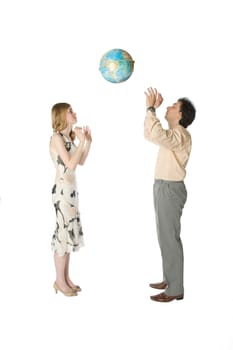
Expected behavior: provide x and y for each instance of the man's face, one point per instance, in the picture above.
(173, 113)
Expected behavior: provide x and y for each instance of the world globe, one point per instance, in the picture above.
(116, 65)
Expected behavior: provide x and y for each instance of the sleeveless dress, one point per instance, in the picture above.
(68, 235)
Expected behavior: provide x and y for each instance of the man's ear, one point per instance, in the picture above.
(180, 116)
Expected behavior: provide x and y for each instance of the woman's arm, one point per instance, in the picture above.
(70, 160)
(86, 149)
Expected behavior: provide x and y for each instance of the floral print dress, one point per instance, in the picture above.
(68, 235)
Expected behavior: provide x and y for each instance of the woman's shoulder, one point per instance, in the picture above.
(56, 137)
(56, 141)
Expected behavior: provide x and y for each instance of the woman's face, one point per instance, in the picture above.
(71, 116)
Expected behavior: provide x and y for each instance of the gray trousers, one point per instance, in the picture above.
(169, 201)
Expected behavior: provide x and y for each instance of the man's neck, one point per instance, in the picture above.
(173, 125)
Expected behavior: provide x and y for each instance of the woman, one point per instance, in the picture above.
(68, 235)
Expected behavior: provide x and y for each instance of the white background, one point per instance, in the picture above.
(50, 52)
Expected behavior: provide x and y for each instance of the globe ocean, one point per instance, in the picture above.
(116, 65)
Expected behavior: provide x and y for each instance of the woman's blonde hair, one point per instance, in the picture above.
(59, 122)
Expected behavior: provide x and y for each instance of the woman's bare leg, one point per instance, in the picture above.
(60, 266)
(67, 274)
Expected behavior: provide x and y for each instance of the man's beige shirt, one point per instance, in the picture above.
(175, 147)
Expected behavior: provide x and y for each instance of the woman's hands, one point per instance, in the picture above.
(79, 133)
(153, 98)
(87, 132)
(83, 133)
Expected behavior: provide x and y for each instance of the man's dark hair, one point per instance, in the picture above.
(188, 112)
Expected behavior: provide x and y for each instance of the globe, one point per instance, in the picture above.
(116, 65)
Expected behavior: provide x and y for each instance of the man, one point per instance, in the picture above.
(169, 189)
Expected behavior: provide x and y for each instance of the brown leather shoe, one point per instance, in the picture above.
(164, 298)
(161, 285)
